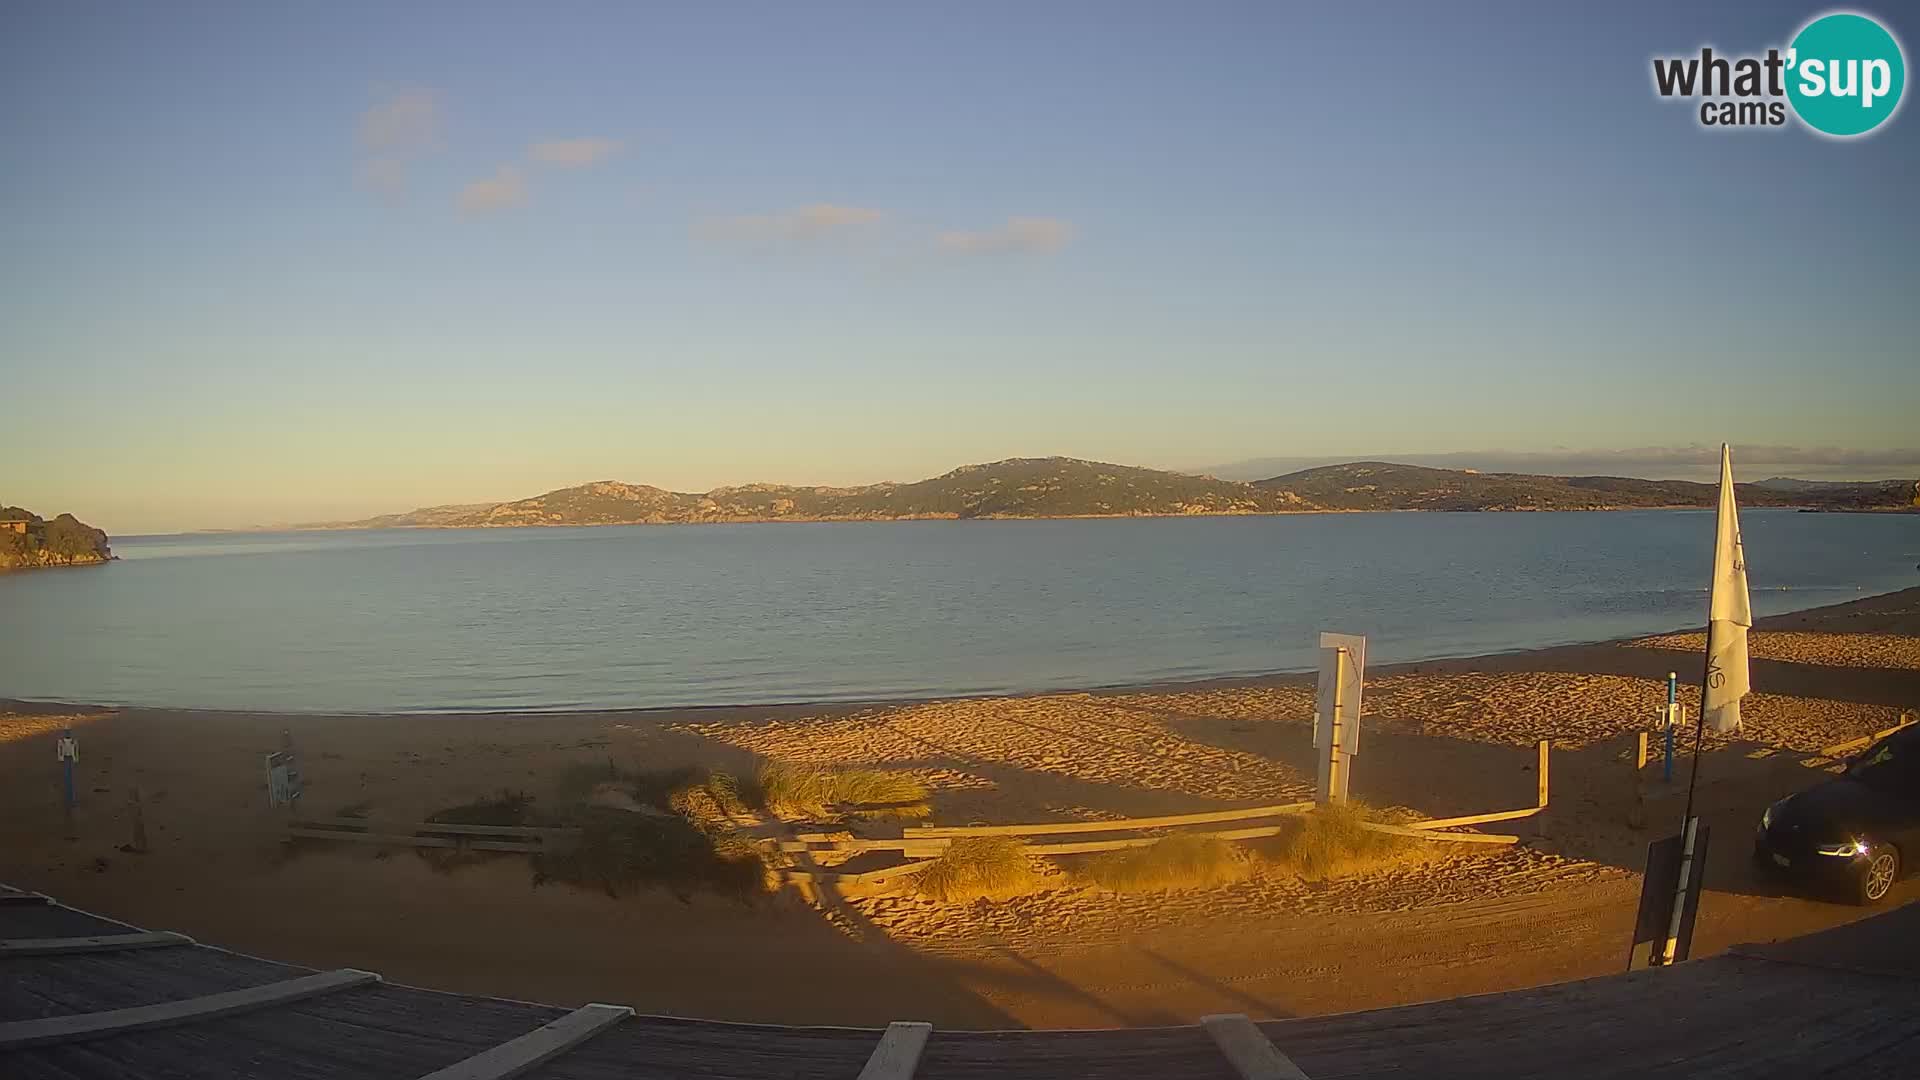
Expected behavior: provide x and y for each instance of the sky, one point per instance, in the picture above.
(265, 262)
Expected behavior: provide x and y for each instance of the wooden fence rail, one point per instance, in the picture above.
(527, 840)
(1120, 825)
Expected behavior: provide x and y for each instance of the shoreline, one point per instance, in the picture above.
(1443, 738)
(1499, 660)
(254, 530)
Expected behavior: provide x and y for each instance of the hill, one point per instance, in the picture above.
(1059, 487)
(1379, 485)
(27, 540)
(1015, 488)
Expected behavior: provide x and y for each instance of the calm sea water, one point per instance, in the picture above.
(680, 615)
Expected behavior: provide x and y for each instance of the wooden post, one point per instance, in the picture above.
(1540, 819)
(1637, 809)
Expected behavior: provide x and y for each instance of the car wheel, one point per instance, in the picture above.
(1878, 871)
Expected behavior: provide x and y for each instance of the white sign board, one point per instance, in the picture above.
(1349, 683)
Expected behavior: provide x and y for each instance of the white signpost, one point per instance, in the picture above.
(1336, 716)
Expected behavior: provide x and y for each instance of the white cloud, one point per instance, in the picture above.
(573, 153)
(506, 187)
(393, 133)
(806, 224)
(1020, 235)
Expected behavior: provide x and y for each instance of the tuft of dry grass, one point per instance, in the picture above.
(1175, 861)
(1332, 841)
(813, 791)
(992, 867)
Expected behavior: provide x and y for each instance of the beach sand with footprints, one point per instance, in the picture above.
(1442, 738)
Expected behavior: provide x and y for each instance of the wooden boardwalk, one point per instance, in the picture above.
(1843, 1003)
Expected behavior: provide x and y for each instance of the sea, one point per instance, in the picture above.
(415, 620)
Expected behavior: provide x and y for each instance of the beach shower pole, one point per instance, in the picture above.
(1673, 717)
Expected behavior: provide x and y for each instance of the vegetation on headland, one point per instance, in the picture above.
(28, 540)
(1379, 485)
(1068, 487)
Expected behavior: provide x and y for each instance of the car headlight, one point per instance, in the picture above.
(1845, 850)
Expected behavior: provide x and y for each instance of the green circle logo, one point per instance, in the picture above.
(1845, 74)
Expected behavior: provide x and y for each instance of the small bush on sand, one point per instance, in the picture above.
(505, 808)
(1332, 840)
(1177, 861)
(988, 866)
(812, 791)
(619, 851)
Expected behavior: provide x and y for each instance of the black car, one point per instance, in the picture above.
(1850, 832)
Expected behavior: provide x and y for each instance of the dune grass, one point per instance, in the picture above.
(1332, 840)
(620, 851)
(1175, 861)
(994, 867)
(813, 791)
(680, 838)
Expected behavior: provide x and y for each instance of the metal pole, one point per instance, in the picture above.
(1693, 779)
(1673, 698)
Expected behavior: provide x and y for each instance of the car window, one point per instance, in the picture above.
(1887, 764)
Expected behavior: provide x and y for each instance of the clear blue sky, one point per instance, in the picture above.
(269, 262)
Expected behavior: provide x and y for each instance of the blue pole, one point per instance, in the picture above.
(1673, 695)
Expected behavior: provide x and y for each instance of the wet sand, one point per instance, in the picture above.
(1441, 738)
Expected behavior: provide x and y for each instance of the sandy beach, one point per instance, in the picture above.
(1443, 738)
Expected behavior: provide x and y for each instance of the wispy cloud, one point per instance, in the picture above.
(1020, 235)
(573, 153)
(807, 224)
(394, 132)
(506, 187)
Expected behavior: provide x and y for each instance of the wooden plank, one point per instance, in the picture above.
(1843, 749)
(912, 849)
(1474, 819)
(1250, 1052)
(536, 1047)
(59, 946)
(1052, 828)
(1081, 846)
(1429, 834)
(870, 877)
(400, 840)
(433, 827)
(75, 1027)
(898, 1052)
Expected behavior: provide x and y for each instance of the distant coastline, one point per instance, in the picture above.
(1069, 488)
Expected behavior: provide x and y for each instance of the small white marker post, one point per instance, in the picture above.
(1336, 726)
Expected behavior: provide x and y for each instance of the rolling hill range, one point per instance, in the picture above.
(1379, 485)
(1061, 487)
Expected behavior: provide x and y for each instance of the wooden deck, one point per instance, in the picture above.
(1845, 1002)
